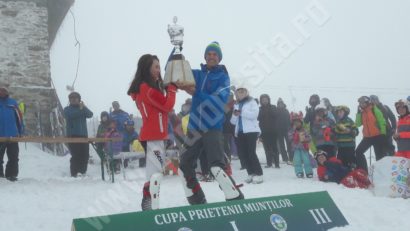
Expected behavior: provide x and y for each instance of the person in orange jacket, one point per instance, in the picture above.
(374, 131)
(154, 103)
(402, 135)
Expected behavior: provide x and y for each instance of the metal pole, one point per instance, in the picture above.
(371, 155)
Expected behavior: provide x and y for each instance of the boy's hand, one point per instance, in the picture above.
(190, 89)
(302, 137)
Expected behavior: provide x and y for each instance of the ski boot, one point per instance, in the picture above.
(227, 184)
(193, 190)
(146, 203)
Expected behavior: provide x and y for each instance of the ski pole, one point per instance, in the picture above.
(370, 156)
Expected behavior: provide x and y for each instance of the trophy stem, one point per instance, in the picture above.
(177, 50)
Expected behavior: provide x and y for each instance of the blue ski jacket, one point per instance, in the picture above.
(210, 97)
(76, 120)
(11, 121)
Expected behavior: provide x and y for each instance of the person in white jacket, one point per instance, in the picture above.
(245, 119)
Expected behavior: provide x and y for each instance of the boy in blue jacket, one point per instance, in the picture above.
(11, 125)
(209, 97)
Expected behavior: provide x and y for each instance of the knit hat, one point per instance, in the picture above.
(5, 90)
(364, 99)
(374, 99)
(214, 46)
(403, 103)
(327, 103)
(296, 116)
(115, 103)
(321, 106)
(74, 95)
(344, 108)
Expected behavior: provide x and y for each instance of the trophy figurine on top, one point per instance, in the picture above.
(178, 69)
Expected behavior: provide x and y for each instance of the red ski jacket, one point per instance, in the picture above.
(403, 141)
(335, 172)
(154, 107)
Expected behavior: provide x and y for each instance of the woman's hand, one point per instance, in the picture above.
(190, 89)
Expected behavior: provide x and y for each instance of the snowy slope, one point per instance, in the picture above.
(46, 198)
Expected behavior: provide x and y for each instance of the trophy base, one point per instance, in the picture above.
(179, 70)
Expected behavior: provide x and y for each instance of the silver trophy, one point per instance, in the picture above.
(178, 69)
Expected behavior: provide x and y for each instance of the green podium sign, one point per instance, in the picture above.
(307, 211)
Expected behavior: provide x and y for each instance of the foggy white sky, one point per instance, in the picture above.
(362, 48)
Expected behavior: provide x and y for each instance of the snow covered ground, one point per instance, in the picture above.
(46, 198)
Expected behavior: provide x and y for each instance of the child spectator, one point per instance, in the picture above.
(103, 127)
(129, 135)
(114, 148)
(300, 140)
(322, 130)
(402, 135)
(332, 170)
(346, 132)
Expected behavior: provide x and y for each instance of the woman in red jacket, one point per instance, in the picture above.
(154, 103)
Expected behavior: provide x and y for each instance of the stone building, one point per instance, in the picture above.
(27, 30)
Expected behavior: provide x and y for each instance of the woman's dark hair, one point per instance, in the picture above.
(143, 75)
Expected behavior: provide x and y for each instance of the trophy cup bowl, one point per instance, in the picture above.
(178, 69)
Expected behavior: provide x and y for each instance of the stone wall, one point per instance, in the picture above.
(25, 60)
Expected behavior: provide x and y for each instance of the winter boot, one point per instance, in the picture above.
(257, 179)
(197, 197)
(146, 198)
(12, 178)
(193, 190)
(1, 171)
(227, 184)
(249, 179)
(309, 175)
(299, 175)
